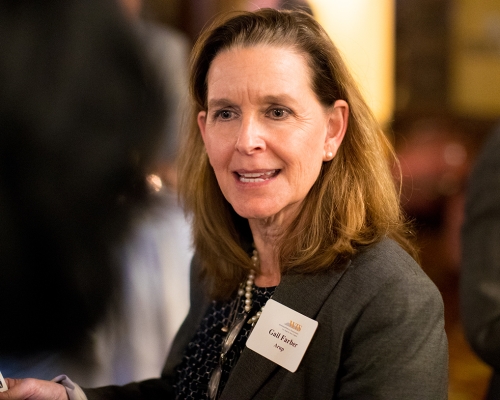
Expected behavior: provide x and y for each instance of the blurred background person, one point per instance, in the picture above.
(480, 273)
(81, 116)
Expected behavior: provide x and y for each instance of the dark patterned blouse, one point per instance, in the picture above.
(203, 351)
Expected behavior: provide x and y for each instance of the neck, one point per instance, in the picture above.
(265, 239)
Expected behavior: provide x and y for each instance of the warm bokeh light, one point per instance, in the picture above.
(363, 30)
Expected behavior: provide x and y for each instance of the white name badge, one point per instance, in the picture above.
(3, 385)
(282, 335)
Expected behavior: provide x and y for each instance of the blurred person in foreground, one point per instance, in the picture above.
(81, 113)
(286, 176)
(168, 50)
(132, 343)
(480, 269)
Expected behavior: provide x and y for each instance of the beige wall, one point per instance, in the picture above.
(475, 58)
(363, 30)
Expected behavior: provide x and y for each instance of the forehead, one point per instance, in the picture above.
(261, 67)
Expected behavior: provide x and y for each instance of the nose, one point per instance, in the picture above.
(250, 137)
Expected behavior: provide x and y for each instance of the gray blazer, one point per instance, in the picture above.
(380, 336)
(480, 269)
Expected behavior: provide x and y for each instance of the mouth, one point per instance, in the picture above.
(255, 177)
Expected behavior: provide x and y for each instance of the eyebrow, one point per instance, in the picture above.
(280, 98)
(271, 99)
(216, 103)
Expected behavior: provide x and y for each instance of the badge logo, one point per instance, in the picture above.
(294, 325)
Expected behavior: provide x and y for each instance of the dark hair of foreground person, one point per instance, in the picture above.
(80, 116)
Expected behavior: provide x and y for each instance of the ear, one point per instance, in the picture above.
(337, 126)
(202, 123)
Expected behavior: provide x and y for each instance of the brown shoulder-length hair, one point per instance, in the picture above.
(354, 201)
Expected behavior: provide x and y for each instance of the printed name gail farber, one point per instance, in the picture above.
(282, 337)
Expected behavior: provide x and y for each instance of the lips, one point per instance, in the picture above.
(254, 177)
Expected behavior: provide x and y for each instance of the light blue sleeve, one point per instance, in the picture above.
(72, 389)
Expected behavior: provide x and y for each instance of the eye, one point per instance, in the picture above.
(224, 115)
(278, 113)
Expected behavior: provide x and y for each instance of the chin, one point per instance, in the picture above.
(250, 212)
(257, 212)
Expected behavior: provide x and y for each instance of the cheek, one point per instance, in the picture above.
(213, 158)
(309, 163)
(310, 171)
(218, 154)
(210, 142)
(218, 145)
(308, 155)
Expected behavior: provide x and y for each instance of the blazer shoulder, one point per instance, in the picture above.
(387, 251)
(387, 262)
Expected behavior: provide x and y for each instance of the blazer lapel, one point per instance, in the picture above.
(302, 293)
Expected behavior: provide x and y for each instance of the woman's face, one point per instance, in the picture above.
(265, 132)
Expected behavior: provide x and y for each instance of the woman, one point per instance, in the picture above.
(286, 176)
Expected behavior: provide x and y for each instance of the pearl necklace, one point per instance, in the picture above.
(248, 290)
(245, 290)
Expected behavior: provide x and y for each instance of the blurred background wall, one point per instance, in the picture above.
(431, 71)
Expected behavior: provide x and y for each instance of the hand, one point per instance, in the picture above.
(33, 389)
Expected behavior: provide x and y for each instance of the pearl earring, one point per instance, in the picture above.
(329, 154)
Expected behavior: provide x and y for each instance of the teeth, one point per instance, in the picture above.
(256, 176)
